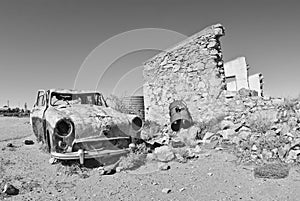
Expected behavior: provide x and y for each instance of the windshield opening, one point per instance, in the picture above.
(69, 99)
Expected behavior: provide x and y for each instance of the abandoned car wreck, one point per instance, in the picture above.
(75, 124)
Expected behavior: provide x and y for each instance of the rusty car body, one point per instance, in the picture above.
(75, 124)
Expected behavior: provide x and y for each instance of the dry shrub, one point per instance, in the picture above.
(212, 125)
(261, 121)
(271, 171)
(117, 103)
(134, 159)
(289, 104)
(70, 168)
(151, 129)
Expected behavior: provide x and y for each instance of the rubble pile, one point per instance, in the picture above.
(258, 129)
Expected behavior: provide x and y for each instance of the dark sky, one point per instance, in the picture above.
(43, 43)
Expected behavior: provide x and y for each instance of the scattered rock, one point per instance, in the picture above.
(132, 146)
(28, 142)
(10, 145)
(163, 166)
(292, 156)
(197, 149)
(166, 190)
(164, 154)
(182, 189)
(226, 124)
(244, 135)
(226, 134)
(208, 135)
(119, 169)
(210, 174)
(219, 148)
(176, 143)
(52, 160)
(150, 157)
(10, 189)
(254, 148)
(180, 159)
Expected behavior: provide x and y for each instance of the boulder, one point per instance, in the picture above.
(164, 154)
(163, 166)
(226, 124)
(28, 142)
(10, 189)
(166, 190)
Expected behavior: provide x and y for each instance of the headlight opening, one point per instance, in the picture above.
(64, 127)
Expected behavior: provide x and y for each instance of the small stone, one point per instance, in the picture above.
(219, 148)
(28, 142)
(244, 135)
(293, 154)
(119, 169)
(102, 172)
(10, 189)
(132, 146)
(197, 149)
(207, 155)
(166, 190)
(163, 166)
(210, 174)
(155, 183)
(254, 148)
(212, 44)
(177, 143)
(150, 157)
(208, 135)
(226, 124)
(52, 160)
(182, 189)
(9, 145)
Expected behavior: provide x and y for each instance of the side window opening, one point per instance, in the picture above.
(41, 99)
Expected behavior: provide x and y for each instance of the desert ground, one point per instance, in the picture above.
(214, 175)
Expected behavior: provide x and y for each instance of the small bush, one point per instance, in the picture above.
(261, 121)
(132, 161)
(212, 125)
(151, 129)
(117, 103)
(271, 171)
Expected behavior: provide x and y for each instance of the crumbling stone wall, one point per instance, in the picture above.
(191, 71)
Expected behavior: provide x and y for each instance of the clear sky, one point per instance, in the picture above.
(43, 43)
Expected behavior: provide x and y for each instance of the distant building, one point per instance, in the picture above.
(237, 76)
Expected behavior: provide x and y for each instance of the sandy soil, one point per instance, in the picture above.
(213, 176)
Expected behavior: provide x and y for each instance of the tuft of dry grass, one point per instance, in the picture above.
(117, 103)
(151, 129)
(261, 121)
(134, 159)
(271, 171)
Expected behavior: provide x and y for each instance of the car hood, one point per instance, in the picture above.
(94, 121)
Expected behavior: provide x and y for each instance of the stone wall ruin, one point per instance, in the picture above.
(191, 71)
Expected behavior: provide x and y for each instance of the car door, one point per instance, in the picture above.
(38, 113)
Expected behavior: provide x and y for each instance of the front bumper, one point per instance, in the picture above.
(81, 154)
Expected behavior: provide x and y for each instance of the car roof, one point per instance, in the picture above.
(73, 91)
